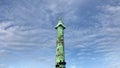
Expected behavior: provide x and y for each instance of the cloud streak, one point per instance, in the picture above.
(27, 30)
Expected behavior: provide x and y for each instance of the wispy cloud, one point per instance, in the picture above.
(3, 65)
(27, 28)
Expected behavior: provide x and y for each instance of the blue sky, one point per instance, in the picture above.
(28, 37)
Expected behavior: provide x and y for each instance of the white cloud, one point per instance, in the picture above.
(116, 65)
(111, 28)
(104, 40)
(2, 65)
(22, 37)
(73, 66)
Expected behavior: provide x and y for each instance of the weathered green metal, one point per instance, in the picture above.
(60, 54)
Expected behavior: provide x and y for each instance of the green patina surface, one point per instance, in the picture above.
(60, 54)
